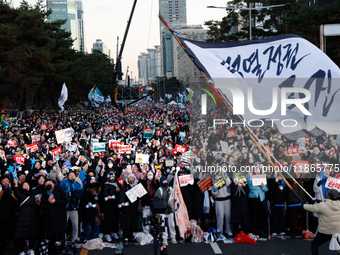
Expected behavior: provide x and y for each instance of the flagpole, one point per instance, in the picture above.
(246, 126)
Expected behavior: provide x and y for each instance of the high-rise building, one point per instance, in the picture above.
(66, 9)
(175, 13)
(149, 65)
(80, 19)
(99, 45)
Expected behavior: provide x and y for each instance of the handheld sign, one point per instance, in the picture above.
(258, 179)
(185, 180)
(205, 183)
(136, 192)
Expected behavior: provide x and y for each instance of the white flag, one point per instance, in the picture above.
(284, 82)
(63, 97)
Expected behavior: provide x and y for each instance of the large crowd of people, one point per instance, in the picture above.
(68, 189)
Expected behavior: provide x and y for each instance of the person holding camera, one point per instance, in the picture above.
(74, 191)
(164, 193)
(53, 204)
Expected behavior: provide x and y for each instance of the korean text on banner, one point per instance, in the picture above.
(64, 135)
(258, 179)
(98, 147)
(185, 180)
(136, 192)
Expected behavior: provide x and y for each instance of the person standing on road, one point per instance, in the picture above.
(329, 214)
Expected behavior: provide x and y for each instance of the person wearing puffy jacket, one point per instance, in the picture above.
(329, 214)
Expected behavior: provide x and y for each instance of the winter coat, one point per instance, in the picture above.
(7, 214)
(55, 214)
(129, 216)
(164, 195)
(239, 205)
(328, 213)
(257, 191)
(292, 199)
(74, 191)
(197, 201)
(275, 194)
(110, 190)
(91, 195)
(27, 223)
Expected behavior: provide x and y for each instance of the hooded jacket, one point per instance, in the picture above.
(328, 213)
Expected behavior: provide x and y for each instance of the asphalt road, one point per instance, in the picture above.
(269, 247)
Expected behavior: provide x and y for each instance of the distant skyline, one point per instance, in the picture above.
(107, 19)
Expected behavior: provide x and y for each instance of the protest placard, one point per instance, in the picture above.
(302, 143)
(21, 152)
(333, 183)
(293, 151)
(169, 162)
(258, 179)
(43, 126)
(182, 134)
(57, 151)
(148, 134)
(142, 159)
(219, 183)
(3, 123)
(300, 166)
(64, 135)
(231, 133)
(114, 144)
(19, 159)
(307, 138)
(35, 138)
(94, 140)
(158, 132)
(185, 180)
(124, 148)
(71, 147)
(108, 129)
(11, 142)
(224, 147)
(179, 148)
(98, 147)
(32, 147)
(136, 192)
(205, 183)
(2, 153)
(200, 122)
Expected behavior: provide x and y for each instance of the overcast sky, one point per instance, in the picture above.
(107, 19)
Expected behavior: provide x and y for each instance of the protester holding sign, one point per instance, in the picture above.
(129, 210)
(222, 197)
(256, 207)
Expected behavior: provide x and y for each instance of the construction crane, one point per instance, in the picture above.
(118, 67)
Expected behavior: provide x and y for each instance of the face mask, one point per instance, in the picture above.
(150, 177)
(49, 187)
(54, 168)
(164, 185)
(110, 165)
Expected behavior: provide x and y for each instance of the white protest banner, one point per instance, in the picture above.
(71, 147)
(142, 159)
(258, 179)
(169, 162)
(64, 135)
(94, 140)
(124, 148)
(224, 147)
(302, 143)
(185, 180)
(182, 134)
(98, 147)
(114, 144)
(35, 138)
(136, 192)
(333, 183)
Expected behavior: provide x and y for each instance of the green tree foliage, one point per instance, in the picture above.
(294, 18)
(36, 58)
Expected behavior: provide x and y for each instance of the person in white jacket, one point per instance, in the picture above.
(329, 214)
(319, 185)
(223, 204)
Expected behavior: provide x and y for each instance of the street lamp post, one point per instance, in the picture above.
(248, 8)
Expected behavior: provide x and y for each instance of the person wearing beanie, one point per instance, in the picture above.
(164, 193)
